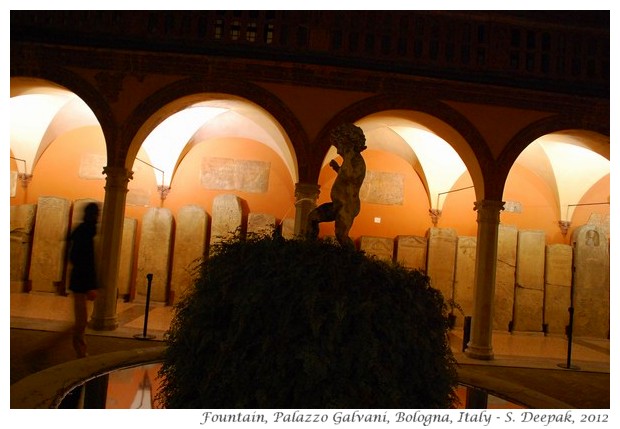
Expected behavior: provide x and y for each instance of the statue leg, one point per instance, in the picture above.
(342, 228)
(322, 213)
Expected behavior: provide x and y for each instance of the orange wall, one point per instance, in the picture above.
(187, 189)
(458, 208)
(599, 193)
(410, 218)
(539, 205)
(57, 171)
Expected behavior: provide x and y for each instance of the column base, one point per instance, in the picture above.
(104, 324)
(480, 353)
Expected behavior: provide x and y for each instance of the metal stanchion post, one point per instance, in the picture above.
(569, 328)
(144, 336)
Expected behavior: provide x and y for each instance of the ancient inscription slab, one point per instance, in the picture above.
(226, 217)
(380, 187)
(530, 276)
(441, 259)
(601, 221)
(235, 174)
(505, 277)
(260, 225)
(558, 275)
(592, 282)
(190, 244)
(288, 228)
(378, 247)
(154, 254)
(125, 268)
(22, 219)
(91, 166)
(49, 243)
(411, 251)
(464, 275)
(14, 175)
(138, 197)
(528, 310)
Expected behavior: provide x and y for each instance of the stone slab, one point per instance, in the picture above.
(226, 218)
(464, 276)
(531, 259)
(558, 276)
(411, 251)
(125, 268)
(378, 247)
(380, 187)
(49, 244)
(530, 277)
(138, 197)
(91, 166)
(288, 228)
(190, 245)
(154, 254)
(441, 259)
(591, 283)
(22, 220)
(235, 174)
(260, 225)
(601, 221)
(505, 277)
(13, 183)
(528, 310)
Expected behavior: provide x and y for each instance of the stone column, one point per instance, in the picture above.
(104, 313)
(479, 346)
(306, 195)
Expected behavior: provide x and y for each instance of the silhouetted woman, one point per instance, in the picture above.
(83, 280)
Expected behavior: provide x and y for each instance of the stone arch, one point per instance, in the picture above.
(438, 117)
(181, 94)
(595, 139)
(91, 95)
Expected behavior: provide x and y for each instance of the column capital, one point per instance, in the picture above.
(488, 210)
(307, 190)
(117, 176)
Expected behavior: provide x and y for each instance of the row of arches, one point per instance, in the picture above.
(189, 141)
(442, 152)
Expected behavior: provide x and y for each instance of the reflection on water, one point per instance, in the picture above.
(137, 387)
(133, 387)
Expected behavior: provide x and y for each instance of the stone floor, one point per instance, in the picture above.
(526, 366)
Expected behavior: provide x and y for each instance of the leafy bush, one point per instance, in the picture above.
(273, 323)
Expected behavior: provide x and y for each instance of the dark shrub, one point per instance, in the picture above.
(275, 323)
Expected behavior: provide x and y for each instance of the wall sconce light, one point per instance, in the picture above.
(163, 190)
(435, 215)
(24, 178)
(565, 224)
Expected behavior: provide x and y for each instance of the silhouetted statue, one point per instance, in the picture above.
(349, 141)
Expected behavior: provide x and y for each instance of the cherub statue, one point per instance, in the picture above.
(349, 141)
